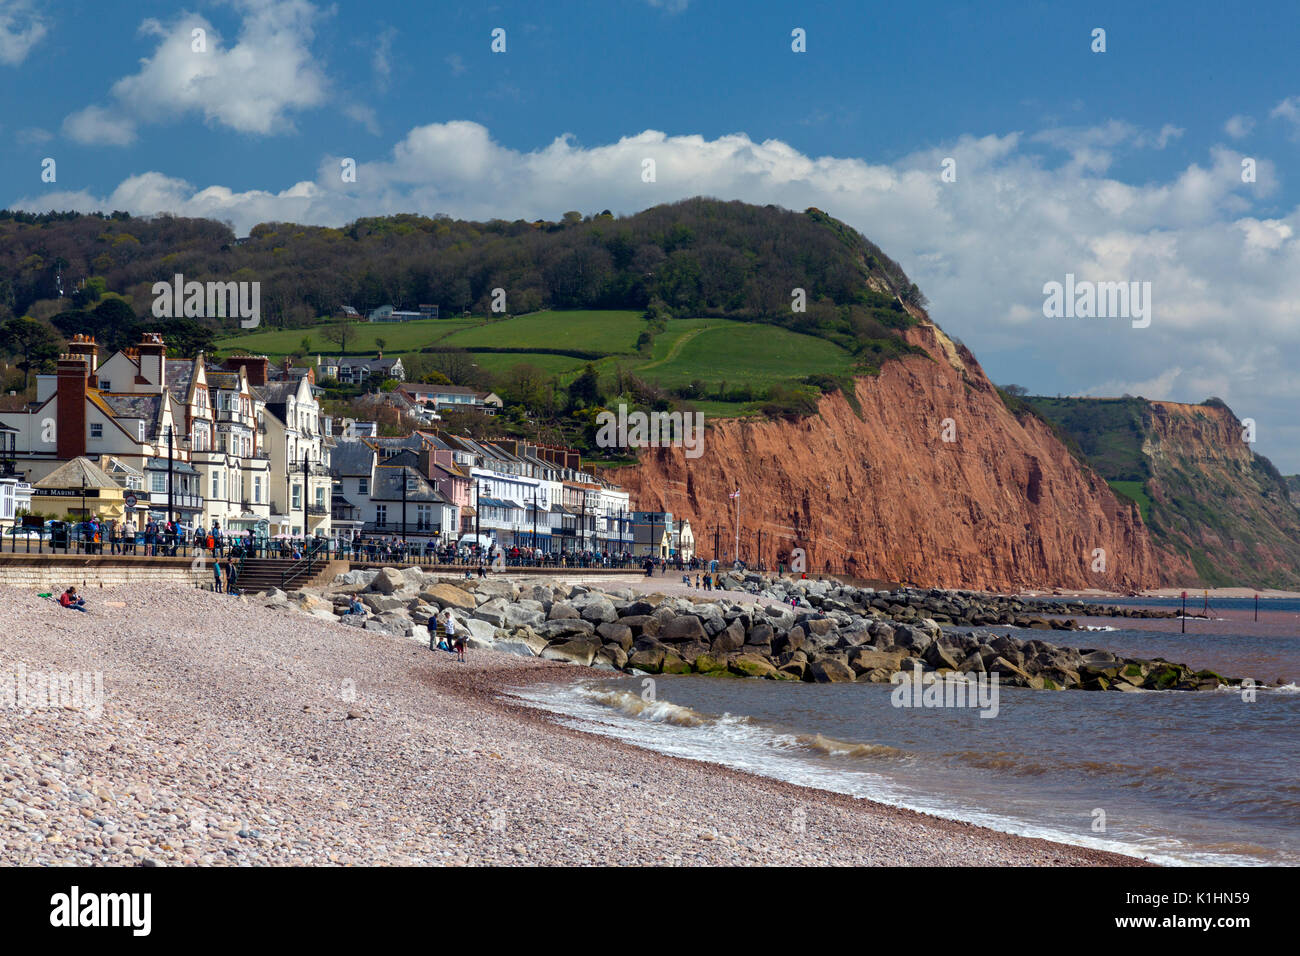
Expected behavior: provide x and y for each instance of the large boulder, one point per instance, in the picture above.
(751, 665)
(831, 670)
(684, 627)
(539, 593)
(611, 632)
(387, 581)
(731, 638)
(612, 656)
(556, 630)
(378, 603)
(563, 611)
(599, 611)
(492, 611)
(448, 595)
(709, 664)
(522, 642)
(497, 588)
(387, 626)
(578, 651)
(524, 614)
(650, 660)
(641, 624)
(481, 632)
(863, 659)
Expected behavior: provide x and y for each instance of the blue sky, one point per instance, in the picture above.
(1122, 165)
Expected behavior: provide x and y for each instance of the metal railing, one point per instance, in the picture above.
(306, 563)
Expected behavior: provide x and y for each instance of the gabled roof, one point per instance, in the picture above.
(147, 407)
(78, 473)
(352, 457)
(389, 480)
(277, 393)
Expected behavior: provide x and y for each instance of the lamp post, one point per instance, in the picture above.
(478, 512)
(170, 471)
(403, 480)
(305, 483)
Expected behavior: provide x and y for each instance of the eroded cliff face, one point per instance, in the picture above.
(883, 495)
(1215, 501)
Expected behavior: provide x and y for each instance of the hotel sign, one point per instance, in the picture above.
(66, 492)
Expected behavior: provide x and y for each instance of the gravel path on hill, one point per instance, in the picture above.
(234, 734)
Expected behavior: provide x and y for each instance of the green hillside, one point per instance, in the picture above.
(1202, 492)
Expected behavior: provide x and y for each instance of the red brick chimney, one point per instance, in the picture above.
(70, 434)
(258, 366)
(85, 345)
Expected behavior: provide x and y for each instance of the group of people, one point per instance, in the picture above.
(225, 573)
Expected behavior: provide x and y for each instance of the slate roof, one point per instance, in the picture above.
(78, 473)
(388, 486)
(352, 457)
(133, 406)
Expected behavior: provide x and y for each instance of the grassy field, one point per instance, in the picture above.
(712, 351)
(399, 337)
(606, 332)
(498, 363)
(739, 353)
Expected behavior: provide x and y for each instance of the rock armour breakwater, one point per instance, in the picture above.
(821, 631)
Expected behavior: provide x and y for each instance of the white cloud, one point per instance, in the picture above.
(1239, 126)
(1289, 111)
(1225, 280)
(364, 115)
(94, 124)
(250, 87)
(382, 61)
(34, 136)
(21, 28)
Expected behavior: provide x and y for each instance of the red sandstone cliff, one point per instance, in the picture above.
(882, 495)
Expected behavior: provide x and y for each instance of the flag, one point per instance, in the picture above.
(734, 494)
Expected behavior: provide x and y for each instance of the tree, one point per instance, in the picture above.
(34, 342)
(1019, 391)
(585, 389)
(339, 333)
(381, 343)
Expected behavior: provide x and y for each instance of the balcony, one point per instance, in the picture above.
(317, 510)
(180, 501)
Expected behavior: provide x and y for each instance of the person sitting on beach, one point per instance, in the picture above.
(355, 606)
(69, 598)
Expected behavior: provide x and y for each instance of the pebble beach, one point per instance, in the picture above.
(237, 734)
